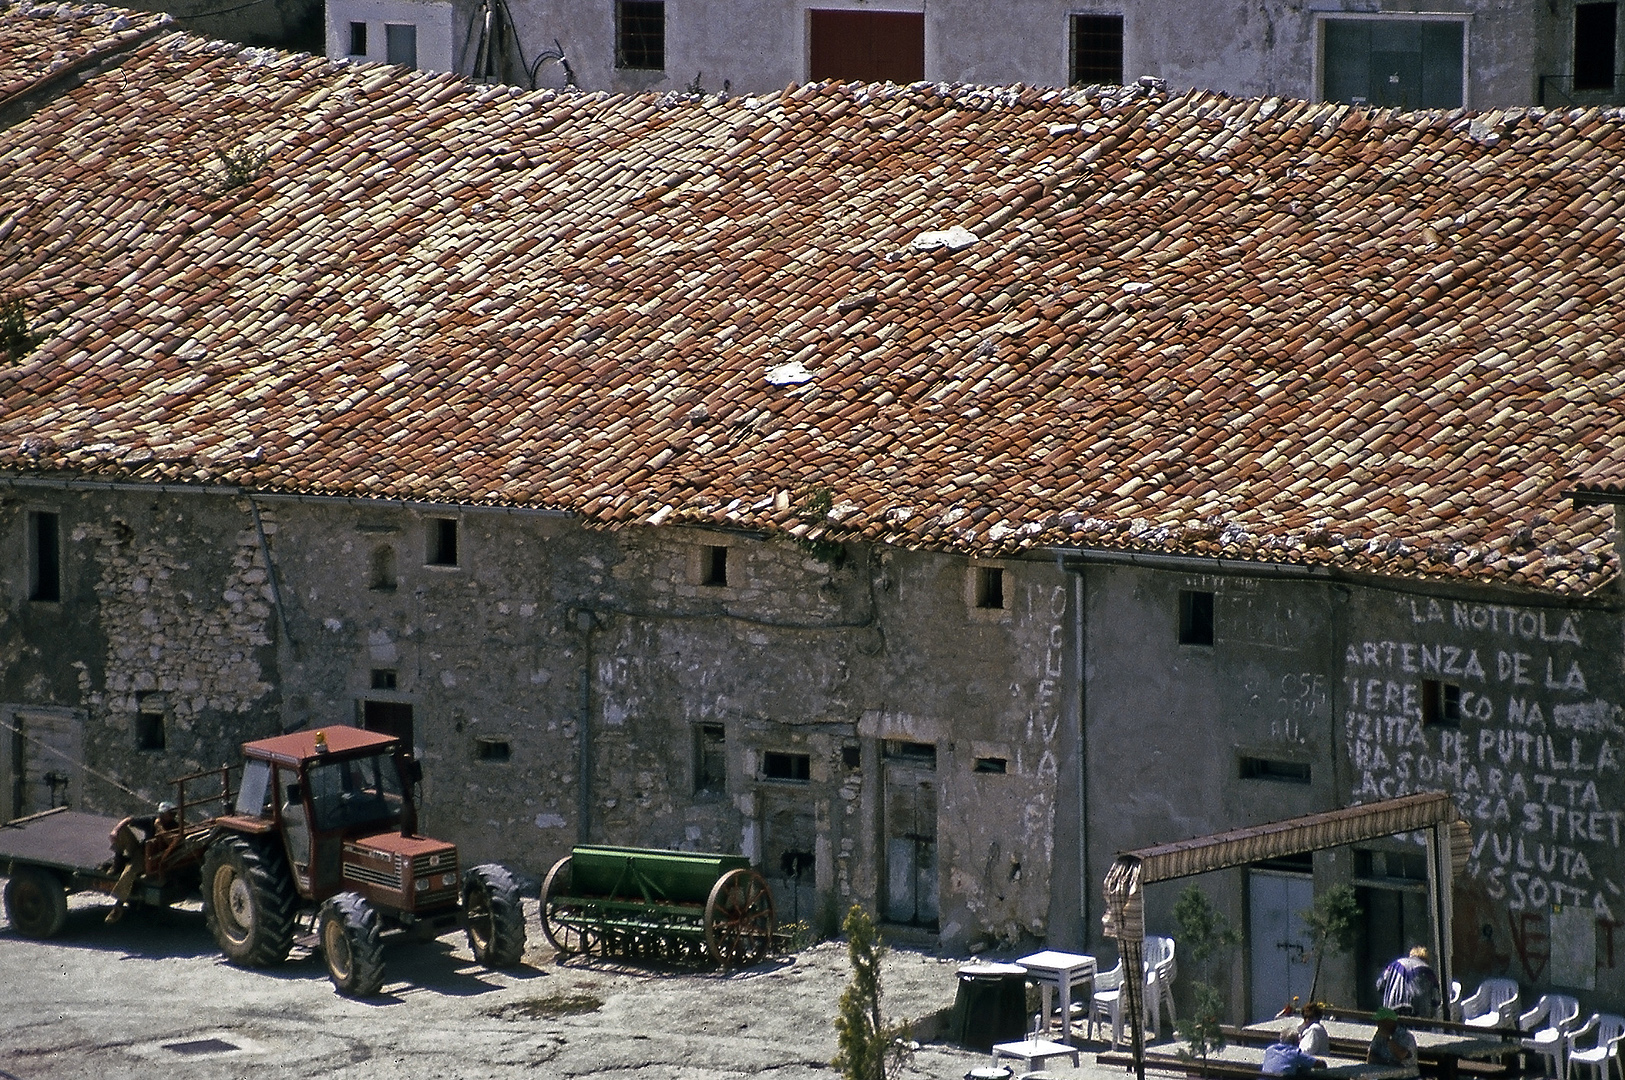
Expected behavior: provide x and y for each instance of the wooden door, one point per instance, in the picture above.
(867, 46)
(911, 843)
(43, 760)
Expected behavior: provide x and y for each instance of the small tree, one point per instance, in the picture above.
(870, 1049)
(1204, 933)
(1332, 922)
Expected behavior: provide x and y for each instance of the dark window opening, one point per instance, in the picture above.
(383, 678)
(851, 757)
(923, 755)
(1289, 772)
(1595, 26)
(442, 541)
(388, 718)
(1301, 863)
(640, 35)
(382, 577)
(149, 721)
(989, 587)
(1195, 617)
(710, 759)
(358, 39)
(1097, 50)
(990, 765)
(45, 556)
(796, 865)
(866, 46)
(489, 749)
(1441, 703)
(781, 766)
(401, 44)
(716, 566)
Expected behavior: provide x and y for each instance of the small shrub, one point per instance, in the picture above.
(1203, 1027)
(243, 165)
(870, 1049)
(15, 339)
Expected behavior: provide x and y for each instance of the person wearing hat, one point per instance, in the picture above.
(129, 839)
(1392, 1044)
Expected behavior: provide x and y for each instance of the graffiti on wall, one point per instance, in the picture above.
(1494, 703)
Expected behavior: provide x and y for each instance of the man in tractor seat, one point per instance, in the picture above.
(129, 839)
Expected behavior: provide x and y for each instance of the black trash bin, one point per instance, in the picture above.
(990, 1006)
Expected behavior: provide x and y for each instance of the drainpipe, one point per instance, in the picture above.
(586, 622)
(1079, 594)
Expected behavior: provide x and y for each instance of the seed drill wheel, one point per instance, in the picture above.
(493, 915)
(563, 917)
(248, 900)
(350, 945)
(739, 919)
(36, 902)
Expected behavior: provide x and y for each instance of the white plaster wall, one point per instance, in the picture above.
(435, 23)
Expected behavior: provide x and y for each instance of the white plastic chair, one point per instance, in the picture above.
(1561, 1013)
(1494, 1004)
(1107, 1003)
(1159, 982)
(1603, 1053)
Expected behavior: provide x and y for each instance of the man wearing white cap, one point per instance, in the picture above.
(129, 839)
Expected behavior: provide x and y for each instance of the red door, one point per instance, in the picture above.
(868, 46)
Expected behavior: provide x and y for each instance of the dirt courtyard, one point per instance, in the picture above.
(151, 997)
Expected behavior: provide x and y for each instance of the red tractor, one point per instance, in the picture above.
(322, 827)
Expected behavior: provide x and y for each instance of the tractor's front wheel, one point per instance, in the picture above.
(493, 915)
(36, 902)
(350, 944)
(248, 901)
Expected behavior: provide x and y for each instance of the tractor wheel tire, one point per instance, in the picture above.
(36, 902)
(350, 944)
(493, 916)
(248, 900)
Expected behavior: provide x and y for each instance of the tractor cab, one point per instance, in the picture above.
(340, 798)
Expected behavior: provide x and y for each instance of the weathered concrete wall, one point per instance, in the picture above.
(1237, 48)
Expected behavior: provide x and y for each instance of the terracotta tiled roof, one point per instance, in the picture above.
(38, 41)
(1256, 329)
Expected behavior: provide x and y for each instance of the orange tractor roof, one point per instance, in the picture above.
(301, 745)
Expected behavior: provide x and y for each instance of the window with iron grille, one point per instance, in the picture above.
(1595, 26)
(640, 34)
(1097, 50)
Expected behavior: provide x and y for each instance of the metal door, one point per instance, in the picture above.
(43, 751)
(1282, 966)
(911, 845)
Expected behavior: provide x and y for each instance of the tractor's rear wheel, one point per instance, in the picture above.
(248, 901)
(36, 902)
(494, 916)
(350, 945)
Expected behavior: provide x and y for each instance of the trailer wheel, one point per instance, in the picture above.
(36, 902)
(493, 915)
(566, 923)
(739, 919)
(355, 956)
(248, 901)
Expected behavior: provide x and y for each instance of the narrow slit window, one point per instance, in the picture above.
(149, 721)
(45, 556)
(1286, 772)
(442, 541)
(489, 749)
(710, 759)
(358, 39)
(1595, 26)
(990, 587)
(781, 766)
(991, 765)
(1195, 617)
(715, 566)
(383, 678)
(1441, 703)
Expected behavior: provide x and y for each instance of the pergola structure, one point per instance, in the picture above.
(1432, 813)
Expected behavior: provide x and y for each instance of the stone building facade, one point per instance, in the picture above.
(868, 724)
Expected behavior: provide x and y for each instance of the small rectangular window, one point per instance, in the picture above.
(919, 754)
(1441, 703)
(383, 678)
(442, 542)
(990, 765)
(715, 566)
(1097, 50)
(1195, 617)
(489, 749)
(1288, 772)
(1595, 26)
(358, 39)
(851, 757)
(149, 721)
(640, 35)
(989, 587)
(710, 759)
(401, 44)
(44, 556)
(781, 766)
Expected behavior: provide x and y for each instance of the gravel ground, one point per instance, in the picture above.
(125, 1000)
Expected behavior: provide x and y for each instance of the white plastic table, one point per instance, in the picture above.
(1059, 971)
(1031, 1050)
